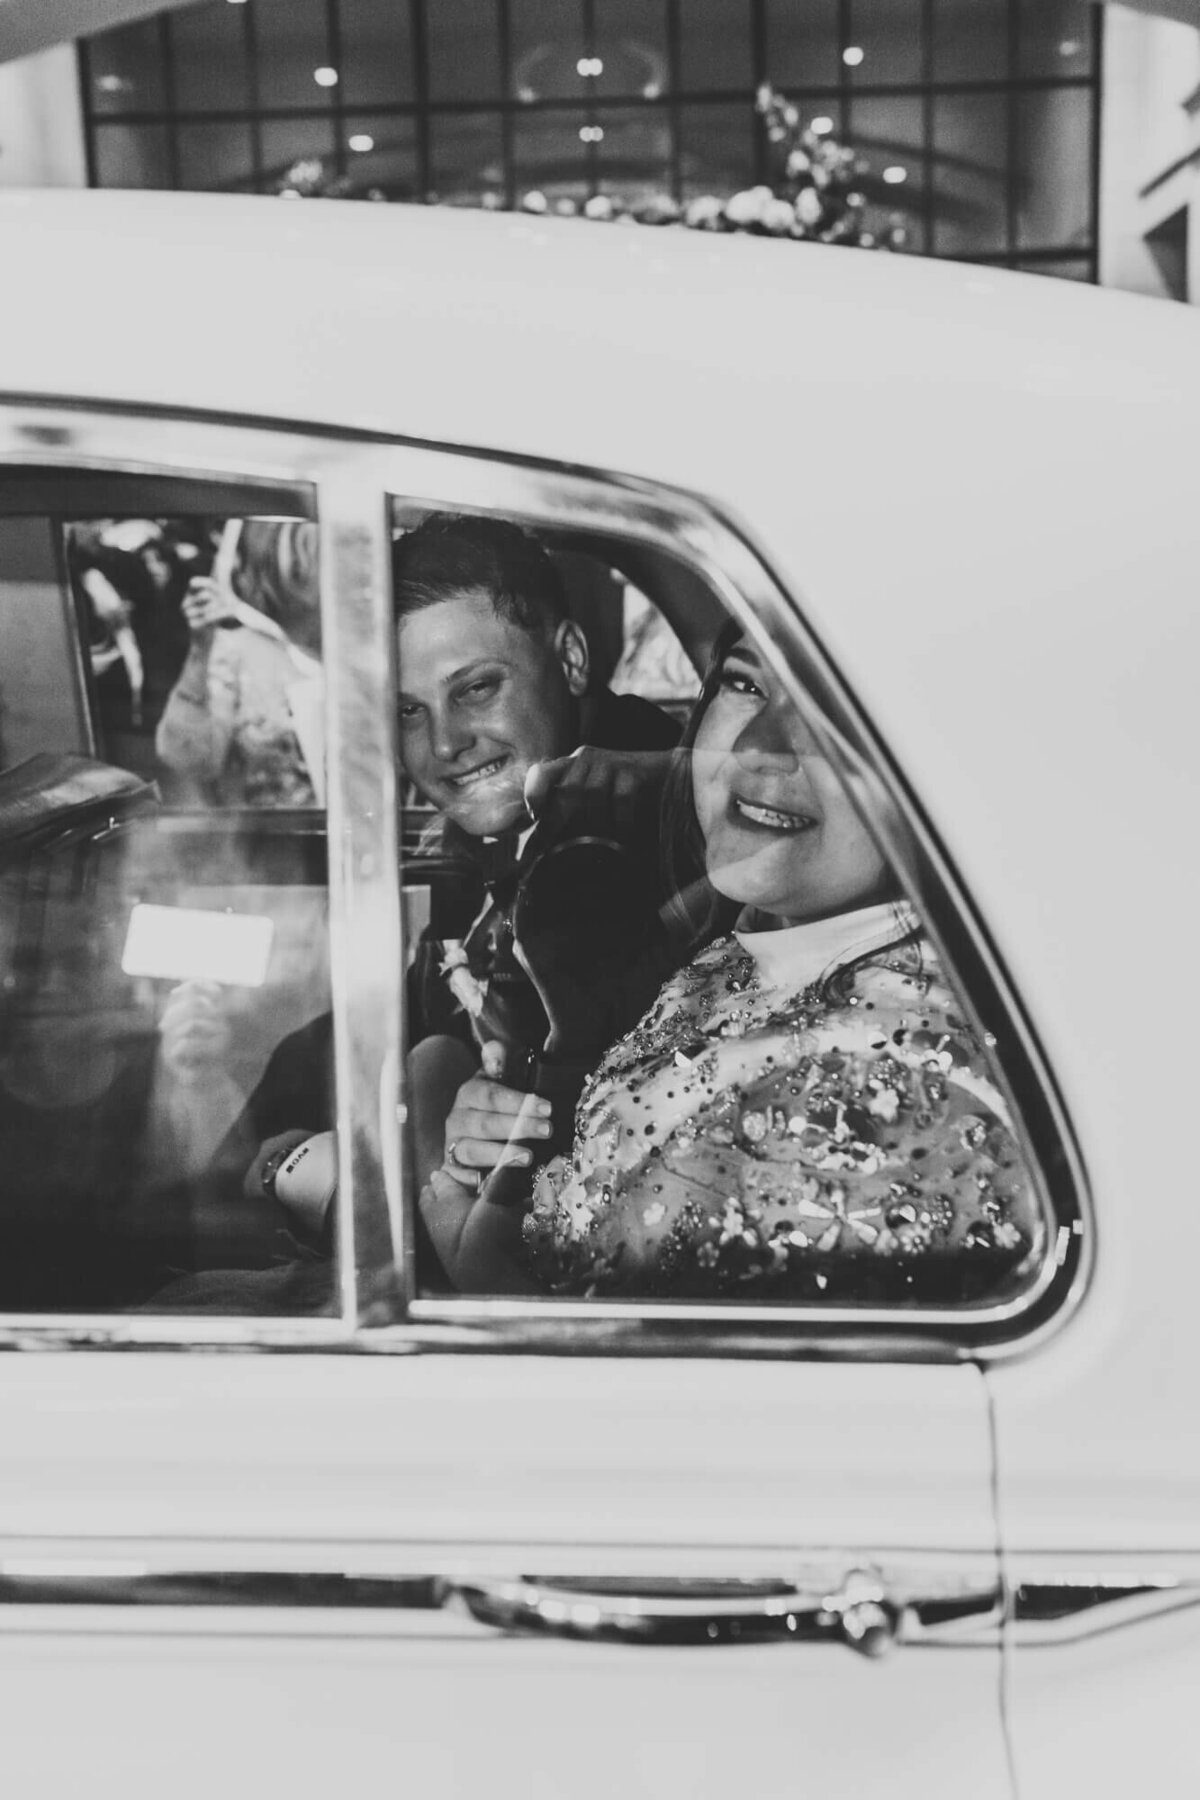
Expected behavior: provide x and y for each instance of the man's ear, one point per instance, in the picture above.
(571, 649)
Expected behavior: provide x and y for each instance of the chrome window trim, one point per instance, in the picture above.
(351, 474)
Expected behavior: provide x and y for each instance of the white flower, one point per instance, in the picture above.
(747, 207)
(778, 217)
(809, 208)
(704, 213)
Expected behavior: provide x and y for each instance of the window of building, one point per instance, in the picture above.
(977, 119)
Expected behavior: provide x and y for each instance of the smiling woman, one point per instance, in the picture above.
(804, 1112)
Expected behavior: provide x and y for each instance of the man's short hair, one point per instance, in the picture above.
(452, 553)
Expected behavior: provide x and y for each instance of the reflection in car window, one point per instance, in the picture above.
(163, 894)
(204, 649)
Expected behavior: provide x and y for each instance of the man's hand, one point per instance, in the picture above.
(206, 605)
(271, 1151)
(599, 792)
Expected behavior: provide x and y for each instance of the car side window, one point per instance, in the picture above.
(679, 1030)
(164, 877)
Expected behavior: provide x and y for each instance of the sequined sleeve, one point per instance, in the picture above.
(850, 1145)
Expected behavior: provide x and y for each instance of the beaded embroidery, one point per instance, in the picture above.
(842, 1140)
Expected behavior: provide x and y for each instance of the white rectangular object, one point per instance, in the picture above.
(180, 943)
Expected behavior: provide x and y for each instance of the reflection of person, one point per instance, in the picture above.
(230, 728)
(129, 577)
(802, 1113)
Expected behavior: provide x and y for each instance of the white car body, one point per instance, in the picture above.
(978, 489)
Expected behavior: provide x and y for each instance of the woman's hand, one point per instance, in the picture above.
(205, 606)
(478, 1243)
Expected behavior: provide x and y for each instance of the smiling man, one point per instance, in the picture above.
(501, 730)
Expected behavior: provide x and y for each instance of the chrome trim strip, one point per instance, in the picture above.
(836, 1593)
(1053, 1601)
(366, 963)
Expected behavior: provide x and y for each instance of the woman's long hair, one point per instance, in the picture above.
(695, 913)
(276, 572)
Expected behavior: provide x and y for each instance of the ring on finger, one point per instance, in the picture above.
(459, 1171)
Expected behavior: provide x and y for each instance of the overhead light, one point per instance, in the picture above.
(237, 2)
(325, 76)
(852, 55)
(589, 65)
(821, 126)
(895, 175)
(361, 141)
(1070, 47)
(111, 84)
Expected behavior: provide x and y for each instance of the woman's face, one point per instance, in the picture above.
(780, 832)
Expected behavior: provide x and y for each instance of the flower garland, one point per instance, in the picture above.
(817, 194)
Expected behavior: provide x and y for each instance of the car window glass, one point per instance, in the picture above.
(163, 869)
(752, 1076)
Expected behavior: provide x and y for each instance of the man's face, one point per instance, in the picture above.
(480, 700)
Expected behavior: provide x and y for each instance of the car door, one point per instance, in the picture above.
(571, 1545)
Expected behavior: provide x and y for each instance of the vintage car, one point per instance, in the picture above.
(921, 1543)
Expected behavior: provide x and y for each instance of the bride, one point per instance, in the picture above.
(803, 1113)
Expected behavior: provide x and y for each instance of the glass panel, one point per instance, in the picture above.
(798, 1113)
(803, 47)
(716, 148)
(1056, 37)
(466, 157)
(464, 50)
(381, 153)
(209, 64)
(890, 36)
(630, 40)
(1053, 165)
(376, 40)
(715, 40)
(550, 155)
(216, 157)
(163, 908)
(126, 69)
(287, 142)
(634, 157)
(292, 44)
(133, 156)
(547, 44)
(889, 135)
(970, 173)
(970, 40)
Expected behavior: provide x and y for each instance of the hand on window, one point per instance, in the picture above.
(597, 792)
